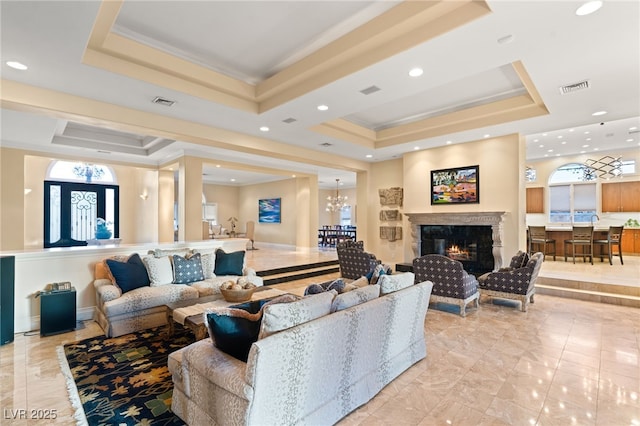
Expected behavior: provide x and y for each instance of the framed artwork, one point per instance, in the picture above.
(460, 185)
(269, 210)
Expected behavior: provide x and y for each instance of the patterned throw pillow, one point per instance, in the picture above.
(159, 270)
(208, 259)
(129, 275)
(378, 271)
(229, 263)
(355, 297)
(278, 317)
(170, 252)
(337, 285)
(519, 260)
(391, 283)
(361, 282)
(187, 270)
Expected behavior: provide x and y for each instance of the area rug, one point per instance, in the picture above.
(123, 380)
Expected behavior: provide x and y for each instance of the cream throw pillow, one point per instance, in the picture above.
(355, 297)
(280, 316)
(159, 270)
(395, 282)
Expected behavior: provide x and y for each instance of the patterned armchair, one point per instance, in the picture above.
(516, 284)
(354, 261)
(451, 283)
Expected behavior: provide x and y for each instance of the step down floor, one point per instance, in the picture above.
(298, 272)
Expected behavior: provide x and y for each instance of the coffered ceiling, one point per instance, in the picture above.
(222, 70)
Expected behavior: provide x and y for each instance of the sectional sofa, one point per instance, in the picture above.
(315, 360)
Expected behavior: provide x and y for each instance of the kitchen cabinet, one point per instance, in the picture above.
(535, 200)
(621, 197)
(631, 240)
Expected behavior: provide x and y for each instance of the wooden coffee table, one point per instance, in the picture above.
(196, 322)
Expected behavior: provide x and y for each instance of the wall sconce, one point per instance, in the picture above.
(144, 196)
(27, 191)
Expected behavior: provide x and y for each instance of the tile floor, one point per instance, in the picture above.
(565, 362)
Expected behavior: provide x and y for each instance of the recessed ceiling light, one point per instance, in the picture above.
(541, 146)
(587, 139)
(598, 113)
(415, 148)
(369, 156)
(264, 129)
(544, 134)
(585, 145)
(322, 107)
(587, 132)
(596, 149)
(506, 39)
(560, 137)
(233, 180)
(487, 135)
(550, 150)
(589, 7)
(546, 155)
(629, 140)
(557, 155)
(293, 176)
(571, 130)
(582, 152)
(633, 128)
(449, 142)
(217, 165)
(564, 142)
(536, 140)
(416, 72)
(16, 65)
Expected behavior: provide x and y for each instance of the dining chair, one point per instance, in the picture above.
(538, 239)
(614, 238)
(581, 236)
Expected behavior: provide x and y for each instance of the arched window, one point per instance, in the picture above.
(77, 195)
(572, 194)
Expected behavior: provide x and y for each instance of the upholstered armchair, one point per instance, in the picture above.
(451, 283)
(515, 284)
(354, 261)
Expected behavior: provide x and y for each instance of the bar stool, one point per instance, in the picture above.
(581, 236)
(538, 237)
(614, 238)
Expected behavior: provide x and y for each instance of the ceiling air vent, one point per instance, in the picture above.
(570, 88)
(163, 101)
(326, 144)
(289, 120)
(369, 90)
(631, 132)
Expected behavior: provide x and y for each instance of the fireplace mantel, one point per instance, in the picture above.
(493, 219)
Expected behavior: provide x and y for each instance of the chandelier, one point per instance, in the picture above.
(606, 167)
(337, 202)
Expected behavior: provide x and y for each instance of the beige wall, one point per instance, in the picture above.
(501, 162)
(227, 199)
(12, 220)
(275, 233)
(386, 174)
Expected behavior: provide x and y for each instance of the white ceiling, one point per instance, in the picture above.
(252, 40)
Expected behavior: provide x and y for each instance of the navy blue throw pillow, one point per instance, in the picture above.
(234, 329)
(229, 263)
(129, 275)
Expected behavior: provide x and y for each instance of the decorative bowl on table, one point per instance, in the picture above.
(241, 295)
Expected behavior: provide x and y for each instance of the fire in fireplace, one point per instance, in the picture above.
(469, 244)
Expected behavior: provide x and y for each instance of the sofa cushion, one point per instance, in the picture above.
(170, 252)
(159, 269)
(208, 259)
(235, 328)
(132, 303)
(355, 297)
(391, 283)
(187, 269)
(337, 285)
(278, 317)
(129, 275)
(229, 263)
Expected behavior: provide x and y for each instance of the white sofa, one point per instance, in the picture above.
(121, 313)
(314, 373)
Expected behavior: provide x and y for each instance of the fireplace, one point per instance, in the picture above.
(475, 239)
(470, 244)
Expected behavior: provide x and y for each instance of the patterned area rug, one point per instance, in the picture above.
(124, 380)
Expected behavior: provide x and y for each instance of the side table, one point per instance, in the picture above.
(57, 311)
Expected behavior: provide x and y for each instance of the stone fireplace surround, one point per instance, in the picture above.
(494, 219)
